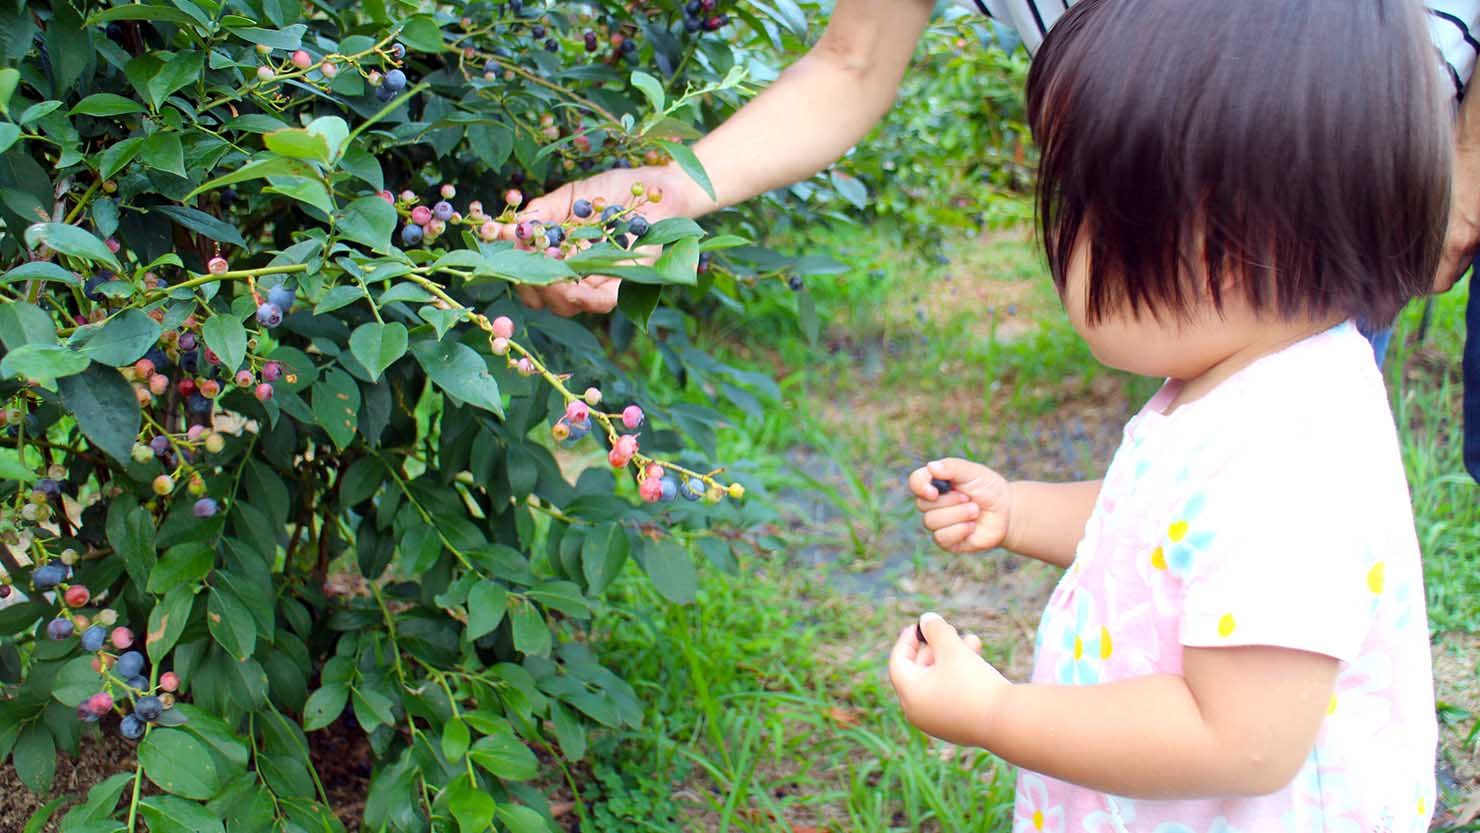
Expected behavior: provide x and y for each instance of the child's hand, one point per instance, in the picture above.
(946, 689)
(973, 515)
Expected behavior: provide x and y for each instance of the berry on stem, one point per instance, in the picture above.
(93, 638)
(217, 265)
(503, 327)
(77, 595)
(129, 664)
(121, 638)
(632, 416)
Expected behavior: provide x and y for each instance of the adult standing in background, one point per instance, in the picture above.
(830, 98)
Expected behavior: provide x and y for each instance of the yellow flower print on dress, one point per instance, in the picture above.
(1183, 541)
(1084, 645)
(1034, 811)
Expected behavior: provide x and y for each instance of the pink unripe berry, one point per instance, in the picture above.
(244, 378)
(76, 596)
(195, 433)
(631, 416)
(420, 215)
(617, 459)
(330, 69)
(169, 681)
(654, 471)
(525, 367)
(503, 327)
(121, 638)
(113, 245)
(488, 231)
(627, 444)
(593, 396)
(408, 195)
(514, 197)
(435, 227)
(143, 368)
(272, 371)
(158, 384)
(217, 265)
(553, 252)
(265, 73)
(301, 59)
(142, 394)
(263, 392)
(651, 489)
(577, 412)
(100, 703)
(388, 197)
(448, 191)
(209, 388)
(500, 346)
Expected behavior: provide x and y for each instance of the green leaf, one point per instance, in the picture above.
(455, 739)
(39, 270)
(378, 345)
(298, 144)
(531, 631)
(339, 296)
(690, 164)
(76, 682)
(257, 169)
(112, 160)
(336, 406)
(504, 756)
(289, 37)
(524, 267)
(101, 800)
(71, 240)
(441, 320)
(360, 481)
(602, 556)
(230, 623)
(422, 34)
(335, 133)
(487, 602)
(142, 11)
(569, 732)
(168, 814)
(9, 133)
(123, 339)
(666, 231)
(35, 758)
(650, 87)
(12, 468)
(167, 621)
(369, 221)
(491, 143)
(182, 564)
(199, 221)
(679, 262)
(225, 335)
(131, 534)
(105, 407)
(372, 709)
(38, 111)
(163, 152)
(106, 104)
(306, 190)
(178, 763)
(564, 596)
(182, 69)
(24, 323)
(671, 568)
(470, 805)
(9, 78)
(42, 362)
(460, 372)
(638, 301)
(520, 819)
(324, 706)
(850, 189)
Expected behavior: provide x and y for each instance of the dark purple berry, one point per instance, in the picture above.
(442, 211)
(638, 225)
(206, 507)
(269, 315)
(198, 405)
(795, 282)
(692, 24)
(609, 214)
(148, 709)
(186, 341)
(591, 44)
(552, 45)
(581, 208)
(131, 727)
(159, 445)
(537, 31)
(941, 486)
(628, 46)
(59, 628)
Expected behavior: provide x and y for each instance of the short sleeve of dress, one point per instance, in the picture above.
(1279, 546)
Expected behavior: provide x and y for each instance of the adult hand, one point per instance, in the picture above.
(974, 515)
(1462, 237)
(598, 293)
(945, 687)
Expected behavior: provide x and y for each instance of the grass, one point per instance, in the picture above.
(767, 703)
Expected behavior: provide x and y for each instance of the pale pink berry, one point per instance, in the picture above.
(388, 197)
(302, 59)
(654, 471)
(503, 327)
(488, 231)
(435, 227)
(554, 252)
(651, 489)
(627, 444)
(169, 681)
(113, 245)
(217, 265)
(577, 412)
(593, 396)
(421, 215)
(158, 384)
(121, 638)
(631, 416)
(195, 432)
(514, 197)
(265, 74)
(244, 378)
(263, 392)
(329, 69)
(617, 459)
(525, 367)
(448, 191)
(408, 196)
(500, 346)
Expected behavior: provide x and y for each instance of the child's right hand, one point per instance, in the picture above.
(973, 516)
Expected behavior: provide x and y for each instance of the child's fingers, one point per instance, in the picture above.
(919, 482)
(953, 498)
(950, 516)
(973, 642)
(952, 536)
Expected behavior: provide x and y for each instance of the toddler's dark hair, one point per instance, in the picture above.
(1300, 149)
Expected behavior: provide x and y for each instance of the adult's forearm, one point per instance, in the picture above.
(1048, 519)
(818, 108)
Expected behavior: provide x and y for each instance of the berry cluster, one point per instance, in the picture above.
(302, 66)
(700, 15)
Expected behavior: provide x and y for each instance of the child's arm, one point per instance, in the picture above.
(1238, 722)
(983, 510)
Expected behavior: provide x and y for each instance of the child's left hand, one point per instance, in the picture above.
(946, 689)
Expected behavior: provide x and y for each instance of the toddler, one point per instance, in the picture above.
(1238, 643)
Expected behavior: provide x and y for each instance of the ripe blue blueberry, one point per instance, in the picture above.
(129, 664)
(398, 50)
(555, 234)
(159, 445)
(442, 211)
(411, 234)
(552, 45)
(48, 487)
(48, 576)
(670, 488)
(269, 315)
(578, 430)
(941, 486)
(205, 507)
(186, 341)
(609, 214)
(384, 94)
(537, 31)
(138, 681)
(59, 628)
(629, 46)
(581, 208)
(148, 709)
(85, 714)
(691, 24)
(93, 638)
(395, 80)
(692, 489)
(131, 727)
(198, 405)
(157, 358)
(795, 282)
(280, 296)
(490, 66)
(638, 226)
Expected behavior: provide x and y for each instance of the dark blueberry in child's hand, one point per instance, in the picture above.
(920, 634)
(942, 486)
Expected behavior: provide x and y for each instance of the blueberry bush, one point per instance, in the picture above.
(279, 448)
